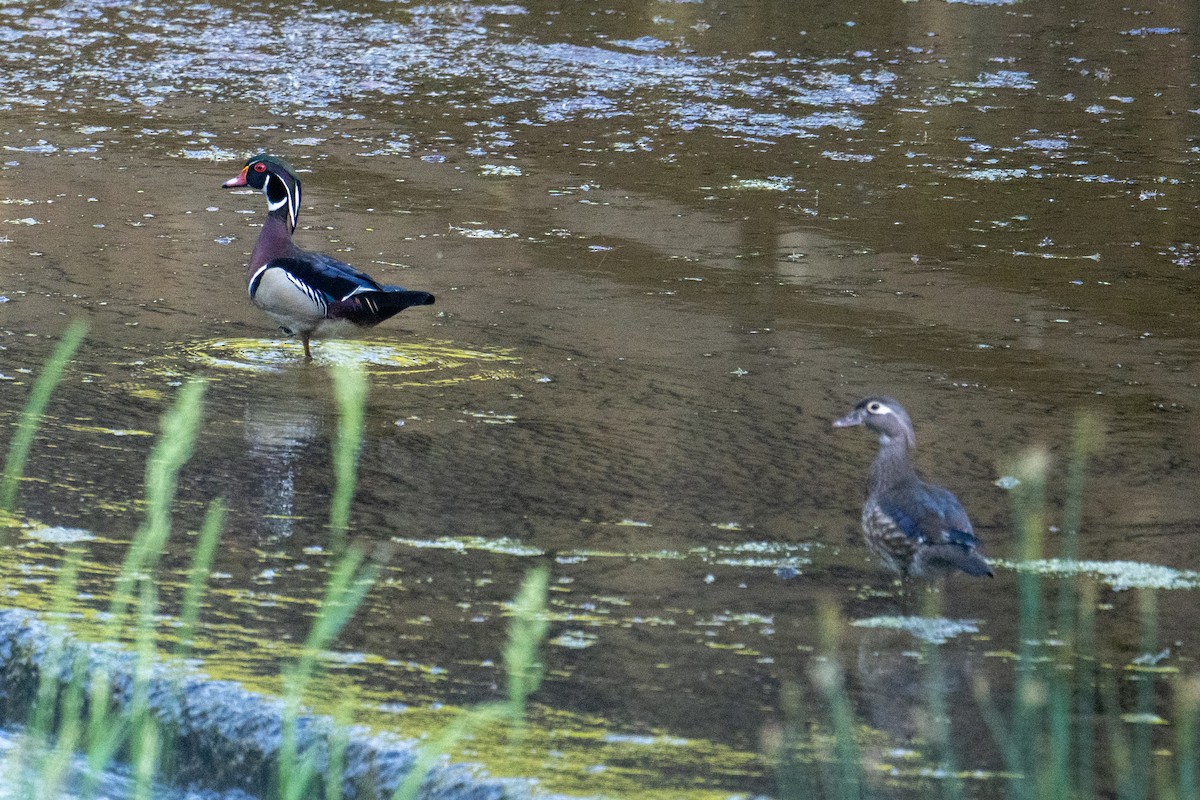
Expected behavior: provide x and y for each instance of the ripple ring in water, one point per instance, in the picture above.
(424, 363)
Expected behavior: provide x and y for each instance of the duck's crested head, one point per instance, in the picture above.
(265, 164)
(884, 416)
(275, 178)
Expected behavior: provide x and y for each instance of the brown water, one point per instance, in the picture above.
(670, 242)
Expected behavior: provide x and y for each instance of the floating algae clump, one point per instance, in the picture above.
(1119, 575)
(935, 630)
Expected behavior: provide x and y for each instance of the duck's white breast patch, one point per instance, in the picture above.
(289, 302)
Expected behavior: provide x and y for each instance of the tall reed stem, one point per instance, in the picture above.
(1029, 511)
(827, 673)
(350, 390)
(31, 417)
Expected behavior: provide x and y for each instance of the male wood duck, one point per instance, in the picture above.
(308, 292)
(918, 529)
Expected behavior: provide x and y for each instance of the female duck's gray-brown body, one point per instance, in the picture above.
(308, 292)
(918, 529)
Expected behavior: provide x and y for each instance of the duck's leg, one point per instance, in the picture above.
(307, 350)
(903, 595)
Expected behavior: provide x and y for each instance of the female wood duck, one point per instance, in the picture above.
(308, 292)
(918, 529)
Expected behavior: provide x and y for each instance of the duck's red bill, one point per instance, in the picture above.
(240, 180)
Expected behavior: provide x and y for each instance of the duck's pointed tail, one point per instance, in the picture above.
(949, 557)
(373, 307)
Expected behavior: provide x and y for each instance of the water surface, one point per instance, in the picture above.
(670, 241)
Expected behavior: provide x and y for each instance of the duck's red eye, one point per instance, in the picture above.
(260, 167)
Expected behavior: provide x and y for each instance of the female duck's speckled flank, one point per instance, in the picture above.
(307, 292)
(918, 529)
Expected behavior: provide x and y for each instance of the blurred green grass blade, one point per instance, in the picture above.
(1002, 735)
(346, 587)
(337, 743)
(1085, 690)
(523, 668)
(35, 408)
(1119, 748)
(296, 771)
(180, 427)
(105, 731)
(793, 779)
(145, 740)
(1057, 774)
(108, 731)
(56, 705)
(432, 751)
(350, 390)
(1029, 515)
(197, 581)
(70, 730)
(827, 674)
(348, 584)
(62, 597)
(1141, 746)
(528, 628)
(1085, 441)
(1187, 711)
(938, 716)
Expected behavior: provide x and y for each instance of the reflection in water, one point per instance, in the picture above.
(277, 436)
(288, 431)
(895, 682)
(894, 686)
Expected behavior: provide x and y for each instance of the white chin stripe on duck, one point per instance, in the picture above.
(284, 196)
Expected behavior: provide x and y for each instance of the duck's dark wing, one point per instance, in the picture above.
(928, 514)
(329, 289)
(324, 277)
(937, 526)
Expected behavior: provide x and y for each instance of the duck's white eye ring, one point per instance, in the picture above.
(875, 407)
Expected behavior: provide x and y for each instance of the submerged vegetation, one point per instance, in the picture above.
(87, 710)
